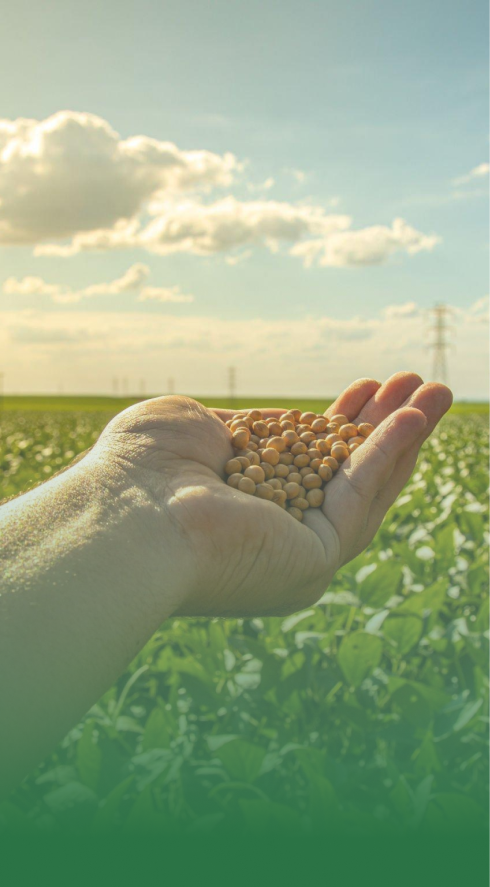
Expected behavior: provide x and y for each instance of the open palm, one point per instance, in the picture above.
(249, 556)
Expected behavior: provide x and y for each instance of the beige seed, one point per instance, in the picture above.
(295, 477)
(232, 466)
(319, 424)
(302, 460)
(234, 480)
(323, 447)
(365, 429)
(238, 424)
(264, 491)
(307, 437)
(244, 462)
(253, 458)
(312, 482)
(348, 431)
(339, 419)
(286, 458)
(274, 427)
(275, 483)
(292, 490)
(300, 503)
(281, 470)
(296, 513)
(331, 462)
(246, 485)
(240, 438)
(295, 414)
(280, 497)
(277, 443)
(340, 452)
(256, 474)
(304, 471)
(307, 418)
(315, 464)
(252, 446)
(261, 429)
(268, 470)
(332, 439)
(255, 415)
(315, 498)
(332, 428)
(298, 448)
(353, 447)
(270, 455)
(325, 472)
(290, 437)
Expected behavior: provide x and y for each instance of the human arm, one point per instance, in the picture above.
(144, 527)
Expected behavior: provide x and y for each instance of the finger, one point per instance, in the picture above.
(349, 495)
(389, 397)
(434, 401)
(354, 398)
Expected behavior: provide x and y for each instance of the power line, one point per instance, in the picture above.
(440, 328)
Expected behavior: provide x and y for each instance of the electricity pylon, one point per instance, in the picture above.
(440, 316)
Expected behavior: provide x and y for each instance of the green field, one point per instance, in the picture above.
(367, 713)
(113, 405)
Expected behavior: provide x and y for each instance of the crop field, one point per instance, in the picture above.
(366, 713)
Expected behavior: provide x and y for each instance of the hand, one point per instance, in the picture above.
(245, 556)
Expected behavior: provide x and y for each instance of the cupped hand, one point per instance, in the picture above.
(246, 555)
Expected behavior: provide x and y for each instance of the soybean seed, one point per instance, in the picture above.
(281, 470)
(264, 491)
(365, 429)
(308, 418)
(319, 424)
(292, 490)
(290, 437)
(295, 477)
(347, 431)
(277, 443)
(256, 473)
(261, 429)
(267, 469)
(296, 513)
(270, 455)
(246, 485)
(340, 419)
(298, 448)
(286, 458)
(315, 498)
(340, 452)
(232, 466)
(234, 480)
(325, 472)
(300, 503)
(275, 483)
(244, 462)
(312, 482)
(302, 460)
(241, 438)
(331, 462)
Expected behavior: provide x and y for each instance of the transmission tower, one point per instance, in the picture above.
(440, 328)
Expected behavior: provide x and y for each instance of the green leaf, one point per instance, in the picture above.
(412, 705)
(157, 733)
(381, 584)
(358, 655)
(89, 757)
(241, 759)
(432, 598)
(405, 631)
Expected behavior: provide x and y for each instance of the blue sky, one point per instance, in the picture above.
(374, 111)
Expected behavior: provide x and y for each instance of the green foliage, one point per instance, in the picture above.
(367, 713)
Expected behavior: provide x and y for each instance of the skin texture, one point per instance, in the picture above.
(144, 527)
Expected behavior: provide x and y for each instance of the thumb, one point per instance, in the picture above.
(370, 467)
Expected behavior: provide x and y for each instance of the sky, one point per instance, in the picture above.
(286, 188)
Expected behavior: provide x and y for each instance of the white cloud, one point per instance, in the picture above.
(478, 172)
(163, 294)
(230, 224)
(266, 185)
(407, 309)
(72, 172)
(367, 246)
(71, 184)
(131, 281)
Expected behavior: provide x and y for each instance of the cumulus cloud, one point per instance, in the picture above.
(131, 281)
(227, 226)
(72, 172)
(71, 184)
(366, 246)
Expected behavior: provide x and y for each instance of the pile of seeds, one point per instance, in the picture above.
(291, 459)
